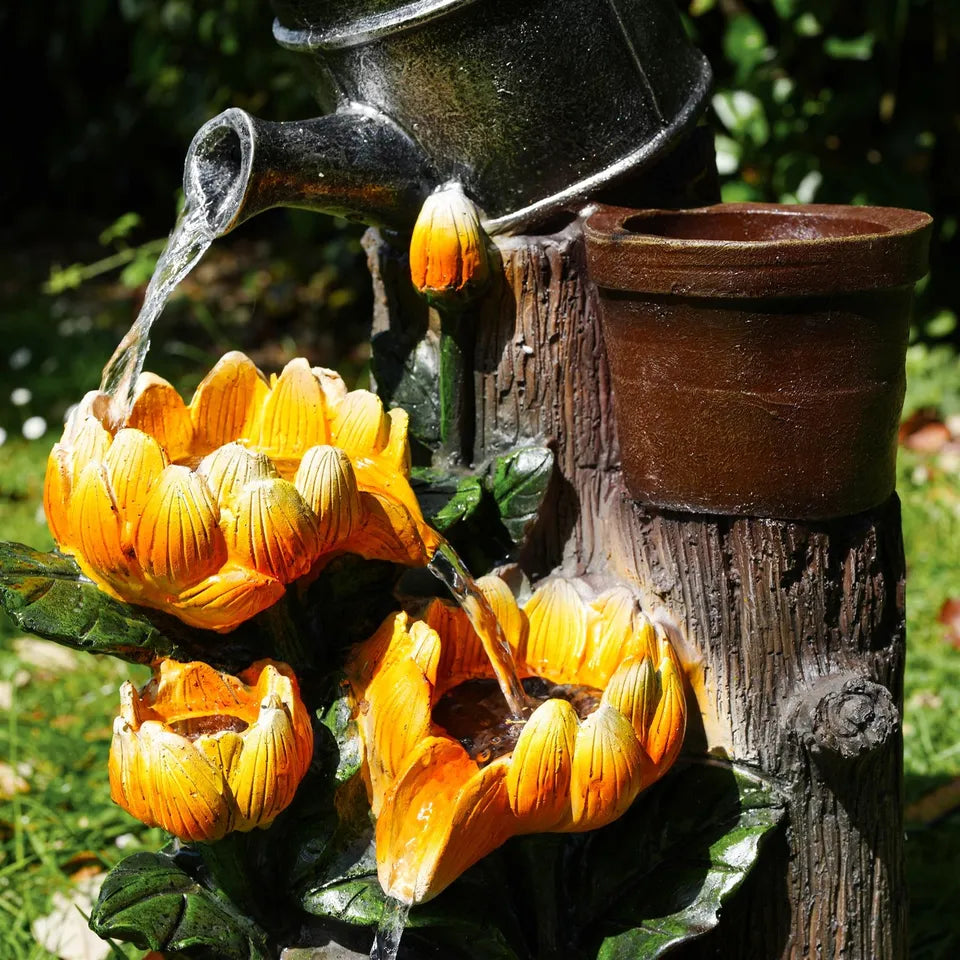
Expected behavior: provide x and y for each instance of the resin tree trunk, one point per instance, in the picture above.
(793, 632)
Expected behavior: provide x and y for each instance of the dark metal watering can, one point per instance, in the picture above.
(530, 104)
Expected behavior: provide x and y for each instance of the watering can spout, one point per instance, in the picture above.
(355, 163)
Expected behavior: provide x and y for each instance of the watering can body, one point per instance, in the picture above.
(530, 105)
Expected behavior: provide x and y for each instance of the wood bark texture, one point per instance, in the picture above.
(794, 632)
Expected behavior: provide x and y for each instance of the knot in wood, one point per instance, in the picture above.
(852, 718)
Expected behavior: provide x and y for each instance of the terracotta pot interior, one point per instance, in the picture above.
(751, 225)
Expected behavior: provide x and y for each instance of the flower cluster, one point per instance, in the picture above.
(439, 810)
(201, 753)
(207, 510)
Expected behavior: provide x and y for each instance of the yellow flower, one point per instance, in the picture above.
(448, 248)
(207, 510)
(575, 765)
(201, 753)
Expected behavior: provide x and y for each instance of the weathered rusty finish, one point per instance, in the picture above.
(794, 630)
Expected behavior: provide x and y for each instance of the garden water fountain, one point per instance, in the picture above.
(763, 548)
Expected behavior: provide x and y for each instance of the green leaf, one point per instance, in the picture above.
(660, 875)
(408, 376)
(150, 901)
(460, 506)
(518, 481)
(46, 594)
(745, 44)
(339, 721)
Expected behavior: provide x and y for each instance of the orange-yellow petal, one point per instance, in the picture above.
(96, 404)
(268, 771)
(90, 443)
(510, 617)
(293, 418)
(557, 640)
(95, 526)
(538, 778)
(634, 691)
(230, 468)
(227, 598)
(56, 494)
(180, 690)
(226, 405)
(609, 769)
(448, 251)
(133, 462)
(387, 532)
(326, 480)
(397, 451)
(669, 722)
(178, 541)
(160, 411)
(179, 788)
(440, 816)
(360, 427)
(272, 530)
(271, 678)
(394, 716)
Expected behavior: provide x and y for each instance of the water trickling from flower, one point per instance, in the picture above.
(392, 921)
(187, 244)
(447, 566)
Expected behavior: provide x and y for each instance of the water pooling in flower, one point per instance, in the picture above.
(447, 566)
(190, 239)
(392, 922)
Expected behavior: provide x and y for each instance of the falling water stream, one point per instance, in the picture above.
(447, 566)
(187, 244)
(392, 921)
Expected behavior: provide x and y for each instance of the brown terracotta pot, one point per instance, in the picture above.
(757, 352)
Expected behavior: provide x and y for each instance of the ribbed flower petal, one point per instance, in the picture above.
(511, 618)
(440, 816)
(616, 620)
(272, 530)
(273, 679)
(178, 542)
(609, 769)
(326, 480)
(230, 468)
(448, 251)
(397, 451)
(462, 656)
(558, 632)
(90, 443)
(178, 690)
(95, 525)
(226, 598)
(387, 532)
(94, 404)
(634, 691)
(360, 427)
(293, 418)
(160, 411)
(265, 776)
(133, 462)
(394, 717)
(187, 796)
(226, 405)
(332, 385)
(669, 722)
(538, 778)
(56, 494)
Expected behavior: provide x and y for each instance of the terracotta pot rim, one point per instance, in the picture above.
(895, 254)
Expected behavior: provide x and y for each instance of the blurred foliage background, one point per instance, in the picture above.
(816, 101)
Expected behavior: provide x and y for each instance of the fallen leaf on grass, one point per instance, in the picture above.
(935, 805)
(924, 431)
(11, 782)
(64, 931)
(45, 654)
(949, 616)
